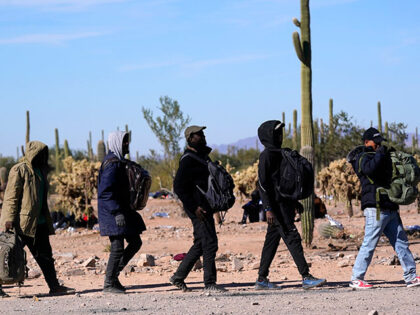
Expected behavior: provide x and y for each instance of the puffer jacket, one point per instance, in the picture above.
(113, 199)
(21, 203)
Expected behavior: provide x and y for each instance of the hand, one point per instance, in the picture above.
(299, 207)
(200, 213)
(9, 225)
(270, 217)
(120, 220)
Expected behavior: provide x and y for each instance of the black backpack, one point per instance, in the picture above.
(295, 177)
(219, 193)
(139, 182)
(12, 258)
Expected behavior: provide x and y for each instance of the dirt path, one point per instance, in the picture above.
(150, 293)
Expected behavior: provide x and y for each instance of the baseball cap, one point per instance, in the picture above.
(193, 129)
(373, 134)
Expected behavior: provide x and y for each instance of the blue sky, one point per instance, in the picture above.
(88, 65)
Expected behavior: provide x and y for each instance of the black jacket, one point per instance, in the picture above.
(374, 170)
(269, 162)
(190, 174)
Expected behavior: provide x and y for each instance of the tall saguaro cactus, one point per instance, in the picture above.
(57, 152)
(295, 131)
(66, 149)
(386, 131)
(379, 117)
(28, 127)
(331, 121)
(101, 151)
(302, 46)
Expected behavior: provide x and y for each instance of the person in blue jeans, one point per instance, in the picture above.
(372, 164)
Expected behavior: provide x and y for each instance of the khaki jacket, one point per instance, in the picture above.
(21, 200)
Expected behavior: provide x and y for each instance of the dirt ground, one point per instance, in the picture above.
(81, 258)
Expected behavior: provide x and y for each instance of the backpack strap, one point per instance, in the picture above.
(195, 157)
(108, 162)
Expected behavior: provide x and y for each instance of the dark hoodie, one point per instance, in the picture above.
(269, 161)
(376, 166)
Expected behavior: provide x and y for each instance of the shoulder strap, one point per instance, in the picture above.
(109, 161)
(195, 157)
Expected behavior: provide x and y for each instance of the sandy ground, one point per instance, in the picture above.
(237, 261)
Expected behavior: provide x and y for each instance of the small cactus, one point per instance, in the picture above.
(331, 118)
(295, 130)
(66, 149)
(327, 230)
(57, 152)
(3, 177)
(28, 127)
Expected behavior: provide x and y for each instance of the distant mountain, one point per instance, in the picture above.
(246, 143)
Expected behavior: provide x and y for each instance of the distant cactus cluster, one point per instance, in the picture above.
(245, 180)
(76, 186)
(341, 182)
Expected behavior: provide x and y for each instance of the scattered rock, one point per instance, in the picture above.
(90, 262)
(255, 303)
(339, 255)
(34, 273)
(374, 312)
(343, 263)
(68, 256)
(222, 268)
(283, 278)
(393, 261)
(255, 265)
(237, 264)
(146, 260)
(74, 272)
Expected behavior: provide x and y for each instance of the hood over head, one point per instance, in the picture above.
(270, 134)
(33, 148)
(115, 143)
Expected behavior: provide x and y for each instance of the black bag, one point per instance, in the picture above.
(139, 183)
(12, 258)
(219, 194)
(295, 177)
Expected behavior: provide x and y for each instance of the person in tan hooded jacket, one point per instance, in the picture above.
(25, 209)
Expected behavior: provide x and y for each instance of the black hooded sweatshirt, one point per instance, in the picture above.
(269, 161)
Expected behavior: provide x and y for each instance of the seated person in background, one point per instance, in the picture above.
(253, 209)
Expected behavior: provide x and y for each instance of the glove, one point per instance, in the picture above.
(120, 220)
(383, 149)
(299, 207)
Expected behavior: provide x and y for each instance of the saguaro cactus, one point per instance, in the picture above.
(379, 117)
(295, 131)
(321, 142)
(101, 150)
(57, 152)
(303, 51)
(66, 149)
(331, 121)
(386, 131)
(28, 127)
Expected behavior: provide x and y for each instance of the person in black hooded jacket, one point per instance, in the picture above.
(192, 173)
(280, 212)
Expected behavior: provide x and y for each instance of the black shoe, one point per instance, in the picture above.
(214, 288)
(61, 290)
(118, 285)
(113, 290)
(3, 294)
(180, 284)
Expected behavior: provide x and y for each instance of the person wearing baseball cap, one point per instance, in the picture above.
(373, 166)
(193, 172)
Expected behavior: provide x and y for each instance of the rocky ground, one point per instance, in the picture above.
(81, 257)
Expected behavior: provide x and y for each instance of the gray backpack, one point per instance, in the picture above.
(12, 258)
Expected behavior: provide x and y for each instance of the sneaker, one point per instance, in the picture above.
(265, 284)
(214, 288)
(180, 284)
(312, 282)
(113, 290)
(118, 285)
(360, 284)
(61, 290)
(414, 283)
(3, 294)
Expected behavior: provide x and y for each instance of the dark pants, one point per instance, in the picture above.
(40, 249)
(119, 257)
(205, 244)
(293, 242)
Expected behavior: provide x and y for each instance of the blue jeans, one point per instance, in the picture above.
(390, 224)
